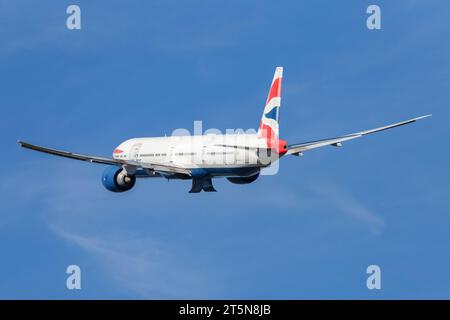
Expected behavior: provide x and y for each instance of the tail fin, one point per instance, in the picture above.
(268, 127)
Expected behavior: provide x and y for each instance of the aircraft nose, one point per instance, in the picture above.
(118, 152)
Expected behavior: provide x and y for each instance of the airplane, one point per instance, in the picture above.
(239, 157)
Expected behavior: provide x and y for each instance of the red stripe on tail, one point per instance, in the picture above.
(275, 90)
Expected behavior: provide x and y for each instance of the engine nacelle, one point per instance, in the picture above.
(116, 180)
(243, 180)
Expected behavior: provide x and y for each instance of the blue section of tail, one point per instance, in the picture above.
(272, 114)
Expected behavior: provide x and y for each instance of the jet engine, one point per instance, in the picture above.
(243, 180)
(116, 180)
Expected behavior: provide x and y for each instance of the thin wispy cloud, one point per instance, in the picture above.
(351, 206)
(141, 265)
(80, 214)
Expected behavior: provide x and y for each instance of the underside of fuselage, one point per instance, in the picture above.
(202, 177)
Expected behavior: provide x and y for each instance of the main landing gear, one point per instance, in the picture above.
(199, 184)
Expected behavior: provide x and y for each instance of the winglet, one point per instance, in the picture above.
(24, 144)
(423, 117)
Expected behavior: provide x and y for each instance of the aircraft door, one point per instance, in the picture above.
(134, 152)
(172, 154)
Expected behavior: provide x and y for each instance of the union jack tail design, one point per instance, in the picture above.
(268, 127)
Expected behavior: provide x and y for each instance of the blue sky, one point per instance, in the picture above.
(145, 68)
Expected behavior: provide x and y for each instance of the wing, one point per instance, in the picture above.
(297, 149)
(158, 167)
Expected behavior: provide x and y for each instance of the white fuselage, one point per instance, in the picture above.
(203, 151)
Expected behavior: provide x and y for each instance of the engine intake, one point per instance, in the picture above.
(116, 180)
